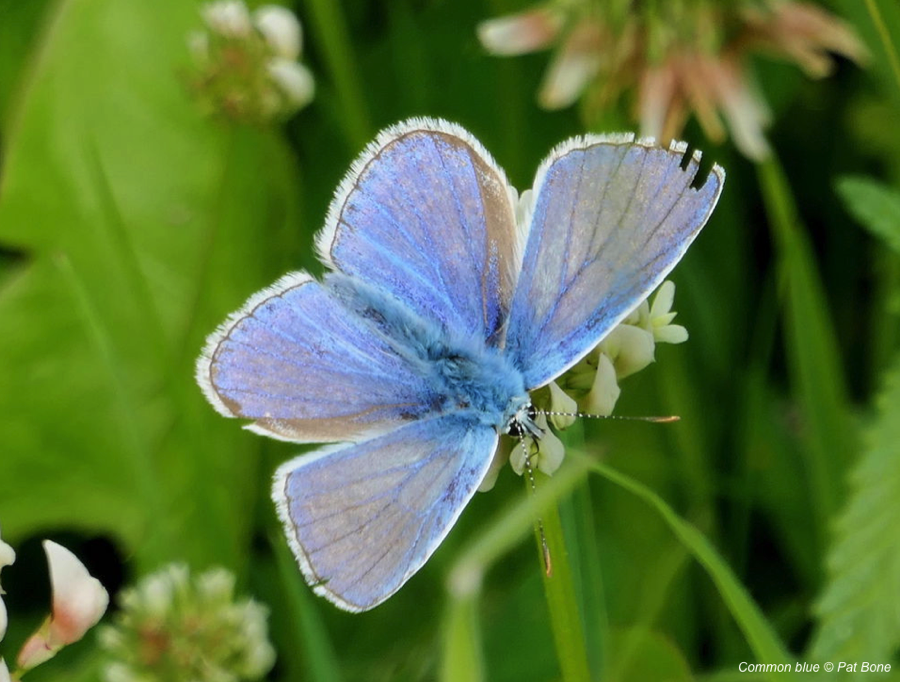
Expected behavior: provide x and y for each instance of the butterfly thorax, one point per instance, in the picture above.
(467, 373)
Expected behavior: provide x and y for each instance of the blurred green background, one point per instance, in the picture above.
(131, 225)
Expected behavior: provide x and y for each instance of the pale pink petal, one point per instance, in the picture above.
(572, 68)
(37, 648)
(697, 74)
(519, 33)
(79, 600)
(655, 94)
(745, 111)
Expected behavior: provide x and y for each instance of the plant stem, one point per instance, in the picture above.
(559, 589)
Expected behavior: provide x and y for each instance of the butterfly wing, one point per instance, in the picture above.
(363, 518)
(611, 217)
(426, 215)
(306, 369)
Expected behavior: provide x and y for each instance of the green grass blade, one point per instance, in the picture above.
(559, 589)
(329, 24)
(462, 659)
(813, 358)
(320, 661)
(887, 42)
(467, 573)
(762, 639)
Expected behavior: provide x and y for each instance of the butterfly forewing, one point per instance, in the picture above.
(305, 369)
(610, 219)
(426, 215)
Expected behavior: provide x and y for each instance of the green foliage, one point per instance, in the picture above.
(131, 225)
(875, 206)
(858, 616)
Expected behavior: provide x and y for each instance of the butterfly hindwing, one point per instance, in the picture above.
(363, 518)
(611, 217)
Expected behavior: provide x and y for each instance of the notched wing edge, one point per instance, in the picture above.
(325, 237)
(203, 367)
(582, 142)
(319, 584)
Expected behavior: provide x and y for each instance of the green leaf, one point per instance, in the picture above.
(875, 205)
(649, 655)
(142, 223)
(858, 617)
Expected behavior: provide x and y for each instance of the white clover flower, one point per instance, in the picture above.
(672, 58)
(245, 67)
(229, 18)
(592, 385)
(4, 672)
(79, 601)
(204, 635)
(281, 30)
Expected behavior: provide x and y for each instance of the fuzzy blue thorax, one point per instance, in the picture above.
(468, 374)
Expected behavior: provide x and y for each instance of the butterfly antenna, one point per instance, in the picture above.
(656, 420)
(545, 549)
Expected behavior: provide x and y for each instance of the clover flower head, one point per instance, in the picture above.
(176, 626)
(245, 64)
(592, 385)
(673, 58)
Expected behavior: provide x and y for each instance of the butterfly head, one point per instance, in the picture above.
(522, 423)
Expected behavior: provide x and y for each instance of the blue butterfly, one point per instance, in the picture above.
(447, 299)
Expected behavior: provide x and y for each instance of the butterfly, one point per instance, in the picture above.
(446, 299)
